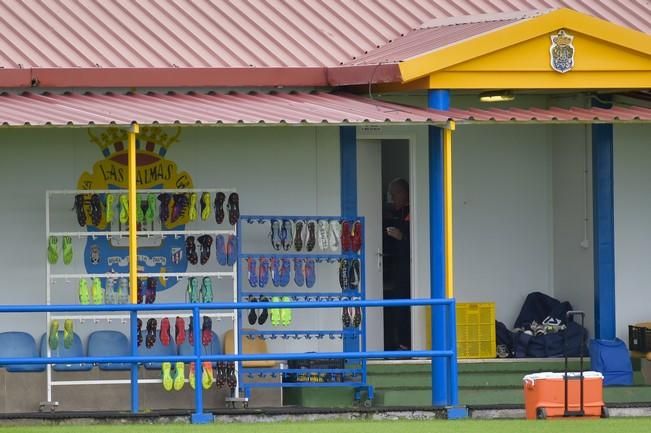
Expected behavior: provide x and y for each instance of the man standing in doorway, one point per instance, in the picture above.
(397, 265)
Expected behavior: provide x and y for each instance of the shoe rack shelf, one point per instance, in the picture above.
(163, 275)
(354, 372)
(307, 334)
(144, 234)
(304, 296)
(96, 318)
(53, 278)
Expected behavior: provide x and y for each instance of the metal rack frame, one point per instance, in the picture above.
(356, 337)
(118, 313)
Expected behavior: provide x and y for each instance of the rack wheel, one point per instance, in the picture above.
(48, 406)
(541, 413)
(234, 403)
(604, 412)
(368, 403)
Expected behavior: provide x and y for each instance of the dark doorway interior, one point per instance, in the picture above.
(396, 245)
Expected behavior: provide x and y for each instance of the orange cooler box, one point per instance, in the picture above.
(544, 394)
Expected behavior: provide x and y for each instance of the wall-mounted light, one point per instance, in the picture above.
(496, 96)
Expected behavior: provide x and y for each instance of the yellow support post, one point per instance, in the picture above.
(447, 186)
(133, 228)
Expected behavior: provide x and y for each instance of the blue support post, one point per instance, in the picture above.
(438, 100)
(348, 158)
(604, 228)
(348, 184)
(134, 367)
(199, 416)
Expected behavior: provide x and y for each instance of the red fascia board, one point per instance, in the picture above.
(178, 77)
(364, 74)
(199, 77)
(15, 78)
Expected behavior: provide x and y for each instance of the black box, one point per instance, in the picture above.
(315, 363)
(639, 339)
(312, 364)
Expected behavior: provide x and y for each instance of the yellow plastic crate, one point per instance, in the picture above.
(476, 330)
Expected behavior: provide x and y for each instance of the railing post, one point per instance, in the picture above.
(134, 367)
(453, 380)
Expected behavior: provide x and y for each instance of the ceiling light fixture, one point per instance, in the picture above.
(496, 96)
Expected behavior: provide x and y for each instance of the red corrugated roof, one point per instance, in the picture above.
(243, 33)
(81, 109)
(39, 37)
(199, 33)
(421, 41)
(552, 114)
(233, 108)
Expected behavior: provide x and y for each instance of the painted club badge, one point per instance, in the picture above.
(562, 52)
(156, 254)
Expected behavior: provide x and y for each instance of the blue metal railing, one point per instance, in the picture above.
(448, 305)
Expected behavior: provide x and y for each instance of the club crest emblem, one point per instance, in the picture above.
(562, 52)
(157, 253)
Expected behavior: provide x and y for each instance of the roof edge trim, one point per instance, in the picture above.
(199, 77)
(163, 77)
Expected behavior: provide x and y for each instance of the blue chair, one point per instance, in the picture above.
(109, 343)
(19, 345)
(76, 350)
(158, 349)
(214, 348)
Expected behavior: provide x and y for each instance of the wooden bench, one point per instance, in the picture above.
(249, 346)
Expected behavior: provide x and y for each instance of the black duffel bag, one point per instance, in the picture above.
(551, 345)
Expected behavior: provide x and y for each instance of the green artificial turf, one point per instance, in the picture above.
(623, 425)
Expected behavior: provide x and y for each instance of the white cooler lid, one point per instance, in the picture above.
(549, 375)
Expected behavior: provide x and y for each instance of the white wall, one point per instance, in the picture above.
(505, 169)
(573, 248)
(632, 163)
(541, 179)
(503, 208)
(503, 215)
(277, 170)
(518, 207)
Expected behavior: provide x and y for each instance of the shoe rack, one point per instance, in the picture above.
(348, 373)
(59, 203)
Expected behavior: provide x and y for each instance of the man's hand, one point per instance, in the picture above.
(394, 233)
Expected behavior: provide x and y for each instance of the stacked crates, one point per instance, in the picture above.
(639, 337)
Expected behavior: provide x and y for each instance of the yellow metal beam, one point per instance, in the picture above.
(540, 80)
(447, 188)
(133, 228)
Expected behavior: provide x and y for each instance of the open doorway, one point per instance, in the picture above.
(396, 243)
